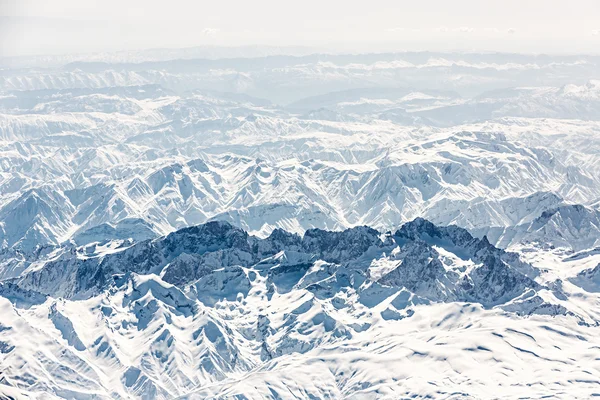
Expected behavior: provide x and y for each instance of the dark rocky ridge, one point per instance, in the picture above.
(185, 256)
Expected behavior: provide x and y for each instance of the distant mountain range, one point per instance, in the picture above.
(145, 162)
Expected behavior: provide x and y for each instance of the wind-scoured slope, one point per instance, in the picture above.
(443, 351)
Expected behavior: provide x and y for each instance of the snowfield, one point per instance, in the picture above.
(411, 225)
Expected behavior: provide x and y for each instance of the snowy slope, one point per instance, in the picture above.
(255, 316)
(570, 227)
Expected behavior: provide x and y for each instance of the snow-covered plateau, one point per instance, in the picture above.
(411, 225)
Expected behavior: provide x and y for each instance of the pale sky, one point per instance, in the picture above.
(32, 27)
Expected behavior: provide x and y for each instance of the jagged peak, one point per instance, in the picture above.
(567, 208)
(215, 228)
(423, 229)
(283, 237)
(358, 230)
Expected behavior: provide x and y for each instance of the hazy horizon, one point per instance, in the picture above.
(33, 27)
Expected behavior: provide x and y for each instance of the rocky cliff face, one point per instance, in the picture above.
(418, 247)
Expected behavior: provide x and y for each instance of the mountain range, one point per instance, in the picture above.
(269, 225)
(210, 309)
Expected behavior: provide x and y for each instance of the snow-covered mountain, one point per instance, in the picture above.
(204, 307)
(572, 227)
(282, 226)
(155, 161)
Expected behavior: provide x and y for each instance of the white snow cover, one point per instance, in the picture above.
(411, 225)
